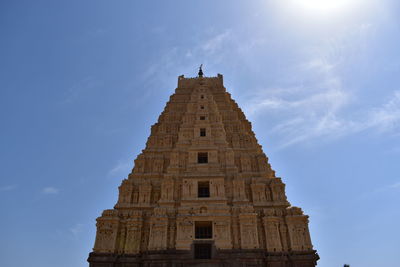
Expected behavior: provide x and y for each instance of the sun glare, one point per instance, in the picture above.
(325, 6)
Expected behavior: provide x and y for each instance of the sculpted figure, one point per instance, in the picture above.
(167, 190)
(239, 190)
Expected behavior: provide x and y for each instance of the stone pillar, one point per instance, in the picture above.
(248, 230)
(217, 188)
(222, 234)
(107, 232)
(239, 192)
(167, 191)
(258, 193)
(185, 233)
(125, 193)
(158, 230)
(134, 233)
(298, 230)
(144, 194)
(272, 236)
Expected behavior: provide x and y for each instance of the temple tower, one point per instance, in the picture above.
(202, 193)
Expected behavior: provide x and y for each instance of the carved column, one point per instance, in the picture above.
(272, 236)
(258, 192)
(144, 194)
(134, 233)
(158, 230)
(184, 233)
(167, 191)
(107, 231)
(125, 193)
(298, 230)
(217, 188)
(248, 230)
(239, 193)
(222, 234)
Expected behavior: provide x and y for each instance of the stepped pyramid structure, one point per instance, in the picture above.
(202, 193)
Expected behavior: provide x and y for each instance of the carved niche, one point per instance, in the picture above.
(217, 188)
(125, 193)
(139, 165)
(134, 234)
(278, 190)
(230, 158)
(248, 231)
(158, 230)
(144, 193)
(167, 190)
(272, 236)
(222, 234)
(106, 236)
(299, 234)
(158, 165)
(245, 163)
(259, 191)
(184, 233)
(188, 189)
(239, 193)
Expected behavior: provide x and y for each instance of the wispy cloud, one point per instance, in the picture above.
(81, 87)
(50, 190)
(76, 229)
(8, 187)
(216, 42)
(122, 168)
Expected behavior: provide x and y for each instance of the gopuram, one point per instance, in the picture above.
(202, 193)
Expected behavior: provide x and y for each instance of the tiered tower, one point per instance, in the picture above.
(202, 193)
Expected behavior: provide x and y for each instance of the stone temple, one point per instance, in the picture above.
(202, 193)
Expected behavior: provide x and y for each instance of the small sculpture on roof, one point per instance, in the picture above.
(201, 71)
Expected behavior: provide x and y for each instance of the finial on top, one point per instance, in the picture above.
(201, 71)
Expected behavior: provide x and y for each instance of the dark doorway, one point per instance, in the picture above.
(202, 251)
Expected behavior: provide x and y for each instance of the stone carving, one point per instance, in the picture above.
(217, 188)
(174, 158)
(106, 236)
(248, 234)
(221, 230)
(144, 193)
(258, 192)
(167, 190)
(245, 163)
(188, 189)
(278, 191)
(239, 193)
(272, 236)
(185, 230)
(133, 238)
(158, 165)
(125, 192)
(158, 234)
(139, 165)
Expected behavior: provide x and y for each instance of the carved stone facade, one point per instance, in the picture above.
(202, 165)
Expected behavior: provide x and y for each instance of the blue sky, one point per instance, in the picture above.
(81, 82)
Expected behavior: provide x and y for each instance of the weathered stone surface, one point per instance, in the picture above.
(154, 220)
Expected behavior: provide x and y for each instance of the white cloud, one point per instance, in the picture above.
(395, 185)
(76, 229)
(50, 190)
(122, 168)
(387, 117)
(217, 42)
(8, 187)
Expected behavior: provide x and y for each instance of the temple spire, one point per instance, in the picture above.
(201, 71)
